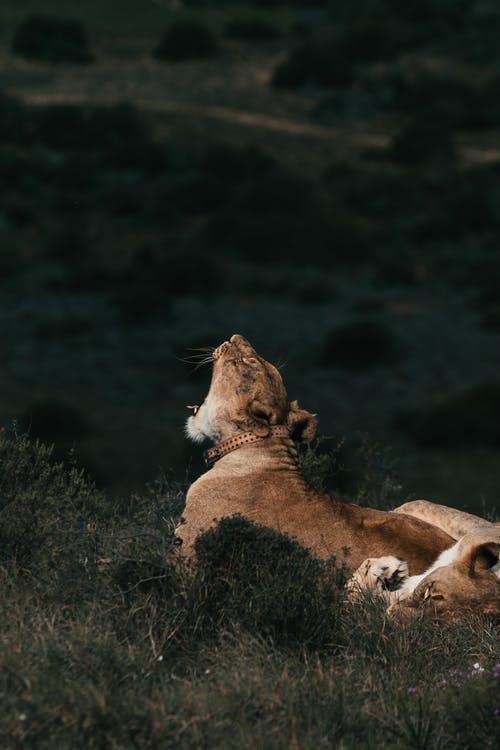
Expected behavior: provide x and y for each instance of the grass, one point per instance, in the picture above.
(108, 643)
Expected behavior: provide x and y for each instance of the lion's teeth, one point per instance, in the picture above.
(194, 409)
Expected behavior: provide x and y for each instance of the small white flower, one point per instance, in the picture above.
(207, 671)
(22, 717)
(160, 658)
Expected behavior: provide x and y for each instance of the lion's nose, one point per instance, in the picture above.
(243, 345)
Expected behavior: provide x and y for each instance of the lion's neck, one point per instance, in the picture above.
(272, 454)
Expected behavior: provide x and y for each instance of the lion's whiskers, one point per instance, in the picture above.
(201, 356)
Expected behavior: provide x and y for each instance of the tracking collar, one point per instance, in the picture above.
(211, 455)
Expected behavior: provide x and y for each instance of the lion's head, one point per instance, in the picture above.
(467, 584)
(246, 394)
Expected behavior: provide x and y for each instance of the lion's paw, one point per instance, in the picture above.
(379, 574)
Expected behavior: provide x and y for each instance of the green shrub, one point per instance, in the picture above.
(360, 344)
(52, 40)
(469, 417)
(47, 511)
(187, 40)
(268, 584)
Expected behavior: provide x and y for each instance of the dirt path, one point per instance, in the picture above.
(351, 135)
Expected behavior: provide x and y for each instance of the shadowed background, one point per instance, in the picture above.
(322, 177)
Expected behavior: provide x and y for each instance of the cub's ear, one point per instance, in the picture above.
(302, 423)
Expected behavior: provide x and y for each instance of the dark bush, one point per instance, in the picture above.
(491, 320)
(469, 417)
(46, 510)
(116, 130)
(372, 39)
(315, 64)
(187, 40)
(380, 192)
(423, 140)
(52, 40)
(437, 14)
(267, 583)
(360, 344)
(15, 126)
(252, 29)
(458, 101)
(10, 262)
(236, 165)
(189, 192)
(275, 194)
(146, 287)
(68, 243)
(465, 207)
(271, 236)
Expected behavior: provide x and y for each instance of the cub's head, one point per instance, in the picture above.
(469, 584)
(246, 395)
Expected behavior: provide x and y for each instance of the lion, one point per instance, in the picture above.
(464, 578)
(254, 472)
(455, 522)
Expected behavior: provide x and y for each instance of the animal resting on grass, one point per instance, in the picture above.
(255, 473)
(464, 578)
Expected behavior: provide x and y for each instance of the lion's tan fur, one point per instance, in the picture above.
(455, 522)
(465, 578)
(263, 482)
(467, 583)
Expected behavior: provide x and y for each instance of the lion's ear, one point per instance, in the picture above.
(261, 417)
(479, 549)
(302, 423)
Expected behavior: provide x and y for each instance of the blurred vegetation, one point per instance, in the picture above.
(108, 639)
(465, 418)
(325, 182)
(187, 40)
(52, 40)
(360, 344)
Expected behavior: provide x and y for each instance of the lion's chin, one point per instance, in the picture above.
(193, 432)
(199, 424)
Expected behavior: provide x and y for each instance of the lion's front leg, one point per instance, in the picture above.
(382, 574)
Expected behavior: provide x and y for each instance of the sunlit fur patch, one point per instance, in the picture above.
(217, 353)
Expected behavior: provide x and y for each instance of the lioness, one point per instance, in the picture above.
(255, 472)
(465, 577)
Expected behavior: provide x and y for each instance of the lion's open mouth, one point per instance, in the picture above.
(194, 409)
